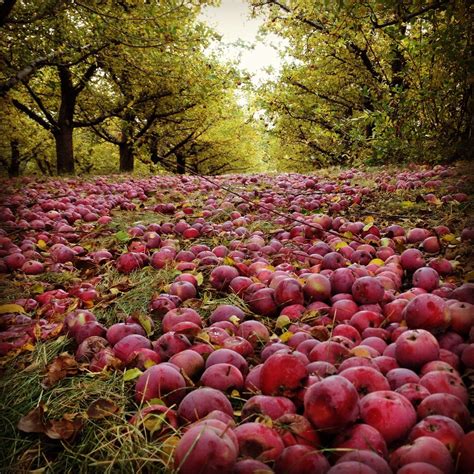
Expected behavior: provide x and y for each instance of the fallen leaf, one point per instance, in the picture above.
(63, 428)
(199, 278)
(131, 374)
(41, 244)
(61, 367)
(33, 422)
(145, 323)
(286, 336)
(122, 236)
(153, 422)
(102, 408)
(11, 308)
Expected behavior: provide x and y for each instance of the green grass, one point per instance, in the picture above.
(110, 444)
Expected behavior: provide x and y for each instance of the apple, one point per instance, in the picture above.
(192, 453)
(419, 468)
(428, 312)
(178, 315)
(200, 402)
(189, 361)
(225, 311)
(446, 405)
(360, 436)
(258, 441)
(160, 381)
(282, 374)
(331, 403)
(415, 348)
(423, 449)
(224, 377)
(440, 381)
(301, 459)
(365, 379)
(388, 412)
(120, 330)
(440, 427)
(366, 457)
(251, 466)
(317, 287)
(271, 406)
(221, 276)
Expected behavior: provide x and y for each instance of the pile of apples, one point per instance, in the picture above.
(347, 348)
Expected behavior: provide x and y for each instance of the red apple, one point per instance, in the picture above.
(388, 412)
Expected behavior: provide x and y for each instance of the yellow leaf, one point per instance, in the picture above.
(265, 420)
(235, 393)
(154, 422)
(348, 235)
(149, 363)
(369, 220)
(407, 204)
(203, 336)
(37, 289)
(367, 226)
(340, 245)
(228, 261)
(286, 336)
(234, 320)
(167, 447)
(377, 261)
(41, 244)
(114, 291)
(448, 237)
(11, 308)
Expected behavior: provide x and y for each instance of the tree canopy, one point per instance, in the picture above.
(103, 86)
(373, 80)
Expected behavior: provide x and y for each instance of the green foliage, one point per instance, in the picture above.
(370, 81)
(91, 75)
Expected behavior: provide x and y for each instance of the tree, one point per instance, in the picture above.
(76, 47)
(371, 80)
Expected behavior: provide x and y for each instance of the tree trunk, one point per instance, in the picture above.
(64, 150)
(64, 127)
(154, 151)
(180, 163)
(14, 167)
(126, 157)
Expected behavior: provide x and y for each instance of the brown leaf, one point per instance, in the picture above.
(102, 408)
(33, 422)
(61, 367)
(63, 428)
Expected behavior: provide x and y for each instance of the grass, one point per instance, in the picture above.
(112, 444)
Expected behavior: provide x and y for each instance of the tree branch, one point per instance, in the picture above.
(86, 77)
(41, 106)
(340, 102)
(23, 108)
(409, 16)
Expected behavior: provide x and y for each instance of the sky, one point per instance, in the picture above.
(232, 20)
